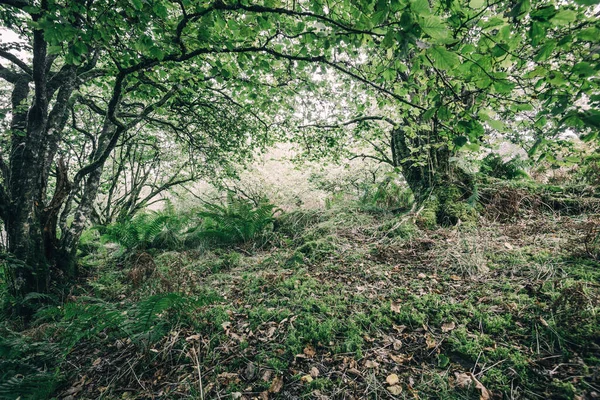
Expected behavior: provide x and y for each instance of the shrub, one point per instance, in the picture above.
(238, 220)
(494, 165)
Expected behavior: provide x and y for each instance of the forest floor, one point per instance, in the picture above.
(340, 304)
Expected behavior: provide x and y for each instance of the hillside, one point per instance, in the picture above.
(349, 302)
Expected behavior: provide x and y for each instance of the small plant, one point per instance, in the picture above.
(155, 229)
(238, 220)
(494, 165)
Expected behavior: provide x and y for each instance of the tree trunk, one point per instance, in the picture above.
(440, 189)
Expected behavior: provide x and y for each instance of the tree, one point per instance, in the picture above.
(149, 60)
(441, 76)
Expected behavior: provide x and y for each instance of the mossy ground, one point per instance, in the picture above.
(340, 300)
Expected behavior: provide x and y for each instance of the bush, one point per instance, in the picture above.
(494, 165)
(155, 229)
(238, 220)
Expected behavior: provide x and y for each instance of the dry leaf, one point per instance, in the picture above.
(371, 364)
(465, 379)
(314, 372)
(430, 341)
(226, 325)
(276, 385)
(236, 395)
(309, 351)
(400, 359)
(421, 276)
(448, 326)
(508, 246)
(397, 345)
(264, 395)
(306, 379)
(392, 379)
(455, 278)
(226, 377)
(543, 322)
(354, 371)
(395, 306)
(395, 390)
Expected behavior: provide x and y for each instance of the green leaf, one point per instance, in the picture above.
(434, 27)
(537, 32)
(497, 125)
(460, 141)
(476, 4)
(589, 34)
(420, 7)
(137, 4)
(564, 17)
(442, 58)
(545, 51)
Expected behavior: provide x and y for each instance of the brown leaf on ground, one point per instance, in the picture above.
(306, 379)
(392, 379)
(395, 389)
(395, 306)
(401, 358)
(448, 326)
(309, 351)
(276, 385)
(430, 341)
(465, 379)
(314, 372)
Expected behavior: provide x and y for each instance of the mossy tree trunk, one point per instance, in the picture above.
(441, 189)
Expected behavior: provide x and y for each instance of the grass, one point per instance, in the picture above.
(338, 299)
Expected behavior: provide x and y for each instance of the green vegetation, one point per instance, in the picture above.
(254, 199)
(333, 302)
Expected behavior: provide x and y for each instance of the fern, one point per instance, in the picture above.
(238, 220)
(156, 229)
(28, 369)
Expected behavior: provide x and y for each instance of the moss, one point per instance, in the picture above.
(446, 206)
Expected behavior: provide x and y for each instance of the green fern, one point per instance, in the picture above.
(236, 221)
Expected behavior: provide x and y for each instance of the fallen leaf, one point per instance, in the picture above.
(371, 364)
(226, 325)
(508, 246)
(97, 361)
(395, 390)
(448, 326)
(314, 372)
(276, 385)
(465, 379)
(392, 379)
(354, 371)
(395, 306)
(236, 395)
(192, 338)
(430, 341)
(226, 377)
(455, 278)
(306, 379)
(309, 351)
(397, 345)
(421, 276)
(543, 322)
(400, 359)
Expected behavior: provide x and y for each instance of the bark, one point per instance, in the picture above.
(440, 189)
